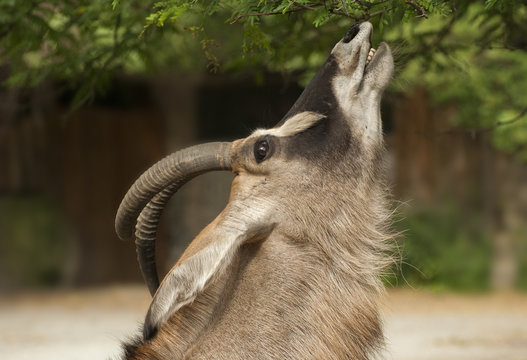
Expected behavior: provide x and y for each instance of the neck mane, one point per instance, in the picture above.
(294, 296)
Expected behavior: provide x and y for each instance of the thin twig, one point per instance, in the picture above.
(307, 7)
(419, 8)
(377, 13)
(474, 131)
(369, 5)
(344, 7)
(507, 122)
(338, 11)
(293, 10)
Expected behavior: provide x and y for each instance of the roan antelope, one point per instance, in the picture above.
(290, 268)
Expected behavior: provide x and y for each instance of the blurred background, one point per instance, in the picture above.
(94, 93)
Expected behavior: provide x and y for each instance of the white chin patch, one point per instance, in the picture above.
(371, 54)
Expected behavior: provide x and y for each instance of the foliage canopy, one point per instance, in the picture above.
(471, 53)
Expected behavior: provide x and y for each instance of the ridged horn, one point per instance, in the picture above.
(143, 204)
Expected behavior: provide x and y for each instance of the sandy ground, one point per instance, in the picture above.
(89, 324)
(479, 327)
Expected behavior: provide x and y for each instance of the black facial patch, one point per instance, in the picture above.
(327, 142)
(331, 138)
(318, 95)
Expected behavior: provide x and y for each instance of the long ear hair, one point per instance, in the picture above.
(206, 258)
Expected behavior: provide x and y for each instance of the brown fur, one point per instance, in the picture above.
(308, 287)
(315, 293)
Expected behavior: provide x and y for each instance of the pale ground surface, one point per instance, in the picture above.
(455, 327)
(88, 324)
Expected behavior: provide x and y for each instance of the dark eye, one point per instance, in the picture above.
(261, 150)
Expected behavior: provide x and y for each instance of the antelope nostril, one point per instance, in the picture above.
(351, 33)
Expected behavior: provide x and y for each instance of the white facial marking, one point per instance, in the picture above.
(294, 125)
(358, 101)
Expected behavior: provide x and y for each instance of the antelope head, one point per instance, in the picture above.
(310, 186)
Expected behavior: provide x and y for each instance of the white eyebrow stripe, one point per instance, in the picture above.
(294, 125)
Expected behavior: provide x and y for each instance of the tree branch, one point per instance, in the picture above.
(334, 10)
(293, 10)
(418, 8)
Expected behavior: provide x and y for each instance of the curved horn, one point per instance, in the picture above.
(146, 234)
(145, 201)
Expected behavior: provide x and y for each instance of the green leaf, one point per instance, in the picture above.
(490, 4)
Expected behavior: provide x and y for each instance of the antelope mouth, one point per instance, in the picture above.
(377, 59)
(361, 61)
(378, 62)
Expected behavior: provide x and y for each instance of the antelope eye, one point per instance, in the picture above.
(261, 150)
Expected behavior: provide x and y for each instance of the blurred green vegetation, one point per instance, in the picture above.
(486, 81)
(442, 249)
(35, 242)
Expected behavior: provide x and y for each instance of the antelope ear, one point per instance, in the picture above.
(205, 259)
